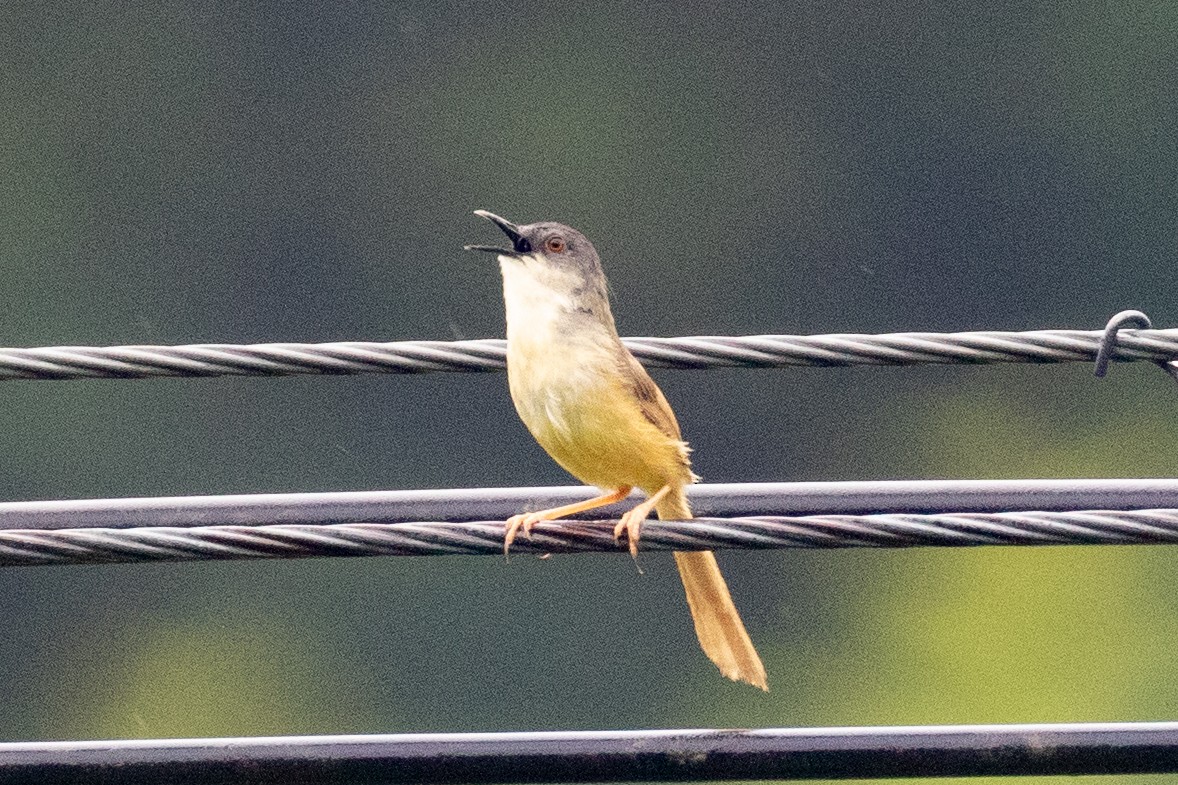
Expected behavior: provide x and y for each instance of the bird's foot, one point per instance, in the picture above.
(523, 521)
(527, 520)
(631, 526)
(631, 522)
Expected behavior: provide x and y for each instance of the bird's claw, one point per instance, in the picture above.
(631, 526)
(525, 521)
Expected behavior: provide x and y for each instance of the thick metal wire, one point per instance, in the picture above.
(753, 351)
(712, 500)
(470, 521)
(169, 543)
(607, 756)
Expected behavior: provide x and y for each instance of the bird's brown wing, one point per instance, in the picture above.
(650, 398)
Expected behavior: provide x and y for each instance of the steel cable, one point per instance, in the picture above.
(754, 351)
(470, 520)
(26, 547)
(699, 755)
(713, 500)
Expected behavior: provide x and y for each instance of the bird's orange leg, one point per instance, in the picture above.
(631, 522)
(527, 520)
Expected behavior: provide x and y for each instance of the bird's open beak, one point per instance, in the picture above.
(519, 243)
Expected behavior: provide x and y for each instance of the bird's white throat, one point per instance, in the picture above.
(537, 296)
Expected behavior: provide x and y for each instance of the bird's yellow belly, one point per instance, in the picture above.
(581, 416)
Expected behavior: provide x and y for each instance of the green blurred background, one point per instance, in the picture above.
(241, 173)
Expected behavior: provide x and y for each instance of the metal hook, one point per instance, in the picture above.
(1108, 342)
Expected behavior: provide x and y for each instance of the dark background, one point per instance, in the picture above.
(237, 173)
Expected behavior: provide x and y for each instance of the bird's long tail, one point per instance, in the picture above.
(717, 622)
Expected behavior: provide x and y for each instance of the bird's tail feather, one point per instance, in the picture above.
(717, 622)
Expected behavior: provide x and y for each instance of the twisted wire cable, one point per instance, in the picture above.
(470, 520)
(24, 547)
(753, 351)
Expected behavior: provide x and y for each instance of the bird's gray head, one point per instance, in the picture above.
(551, 263)
(547, 243)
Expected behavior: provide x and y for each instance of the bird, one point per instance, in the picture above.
(596, 411)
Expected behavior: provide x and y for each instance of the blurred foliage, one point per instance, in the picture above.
(181, 172)
(273, 680)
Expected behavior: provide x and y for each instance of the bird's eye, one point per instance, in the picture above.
(555, 244)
